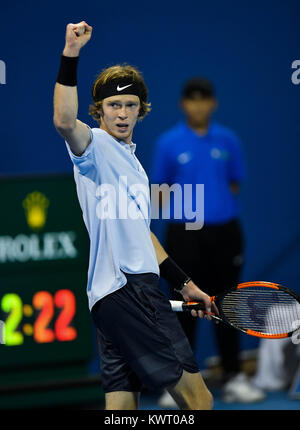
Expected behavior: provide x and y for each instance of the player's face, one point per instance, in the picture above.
(119, 115)
(198, 110)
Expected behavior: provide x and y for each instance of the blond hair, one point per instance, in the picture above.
(114, 72)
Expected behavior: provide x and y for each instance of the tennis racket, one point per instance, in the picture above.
(261, 309)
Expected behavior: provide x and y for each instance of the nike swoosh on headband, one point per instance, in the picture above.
(123, 88)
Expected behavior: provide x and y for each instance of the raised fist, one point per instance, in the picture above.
(77, 35)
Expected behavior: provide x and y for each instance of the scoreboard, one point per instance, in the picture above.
(46, 328)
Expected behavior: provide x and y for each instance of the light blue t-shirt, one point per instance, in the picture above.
(113, 192)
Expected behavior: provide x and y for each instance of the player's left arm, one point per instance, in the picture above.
(161, 254)
(190, 291)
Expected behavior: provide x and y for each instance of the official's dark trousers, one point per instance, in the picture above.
(212, 257)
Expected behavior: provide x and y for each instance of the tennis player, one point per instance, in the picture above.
(140, 339)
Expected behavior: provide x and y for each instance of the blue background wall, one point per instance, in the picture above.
(245, 47)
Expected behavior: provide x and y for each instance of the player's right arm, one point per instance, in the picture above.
(75, 132)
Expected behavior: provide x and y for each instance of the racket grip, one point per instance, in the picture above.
(197, 306)
(180, 306)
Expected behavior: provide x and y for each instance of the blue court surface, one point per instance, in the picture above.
(273, 401)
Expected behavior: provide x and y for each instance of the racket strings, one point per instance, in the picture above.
(262, 309)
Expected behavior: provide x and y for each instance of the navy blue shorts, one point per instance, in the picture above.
(139, 337)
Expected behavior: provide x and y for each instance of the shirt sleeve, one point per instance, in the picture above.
(162, 169)
(236, 167)
(86, 161)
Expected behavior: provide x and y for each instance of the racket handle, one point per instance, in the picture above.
(180, 306)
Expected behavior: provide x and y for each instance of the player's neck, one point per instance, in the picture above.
(127, 139)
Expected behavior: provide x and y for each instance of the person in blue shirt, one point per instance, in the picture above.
(198, 150)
